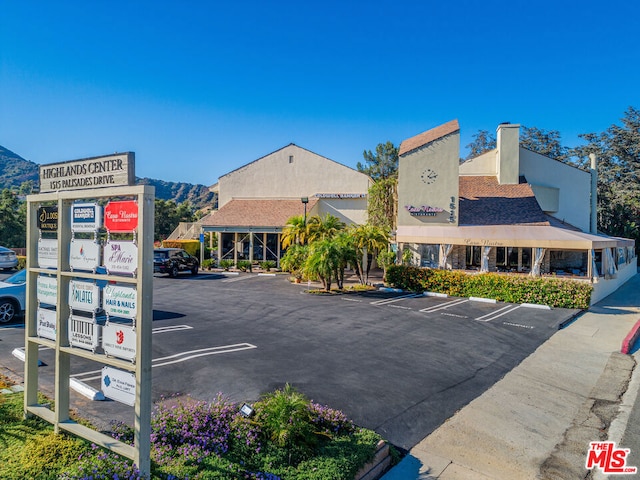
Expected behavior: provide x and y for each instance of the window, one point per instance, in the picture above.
(290, 158)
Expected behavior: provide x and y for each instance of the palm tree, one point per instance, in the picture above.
(294, 232)
(323, 228)
(323, 261)
(369, 240)
(348, 255)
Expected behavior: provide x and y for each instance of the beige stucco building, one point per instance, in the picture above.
(256, 200)
(509, 209)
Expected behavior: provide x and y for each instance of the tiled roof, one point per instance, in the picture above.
(257, 212)
(483, 201)
(429, 136)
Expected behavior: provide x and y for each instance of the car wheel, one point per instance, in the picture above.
(7, 311)
(194, 270)
(174, 271)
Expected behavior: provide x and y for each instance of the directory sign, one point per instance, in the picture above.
(121, 257)
(84, 254)
(120, 301)
(121, 216)
(84, 296)
(48, 253)
(46, 327)
(85, 217)
(47, 218)
(119, 341)
(119, 385)
(47, 289)
(84, 332)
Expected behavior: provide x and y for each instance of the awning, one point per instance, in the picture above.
(541, 236)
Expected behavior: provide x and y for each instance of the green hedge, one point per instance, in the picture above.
(504, 288)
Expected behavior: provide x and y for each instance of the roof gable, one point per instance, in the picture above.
(429, 136)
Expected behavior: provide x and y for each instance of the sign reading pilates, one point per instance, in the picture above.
(97, 172)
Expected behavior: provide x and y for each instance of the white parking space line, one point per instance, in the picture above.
(177, 358)
(237, 279)
(444, 306)
(351, 300)
(173, 328)
(493, 316)
(387, 301)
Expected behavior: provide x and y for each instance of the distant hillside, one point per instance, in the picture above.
(14, 170)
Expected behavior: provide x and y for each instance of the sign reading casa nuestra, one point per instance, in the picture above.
(97, 172)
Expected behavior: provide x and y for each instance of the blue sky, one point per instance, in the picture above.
(199, 88)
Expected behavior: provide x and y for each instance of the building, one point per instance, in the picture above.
(509, 209)
(256, 200)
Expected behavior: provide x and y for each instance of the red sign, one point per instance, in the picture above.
(121, 216)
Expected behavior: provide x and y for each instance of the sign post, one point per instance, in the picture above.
(69, 293)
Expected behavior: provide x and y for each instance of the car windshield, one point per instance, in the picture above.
(160, 255)
(17, 278)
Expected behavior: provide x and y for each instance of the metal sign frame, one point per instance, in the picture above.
(64, 352)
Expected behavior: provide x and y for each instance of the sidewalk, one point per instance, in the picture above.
(537, 422)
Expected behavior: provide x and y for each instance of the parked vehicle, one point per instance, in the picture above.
(8, 258)
(12, 296)
(173, 261)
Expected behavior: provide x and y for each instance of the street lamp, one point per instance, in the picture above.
(305, 200)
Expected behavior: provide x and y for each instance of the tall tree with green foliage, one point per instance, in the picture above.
(369, 241)
(13, 220)
(482, 142)
(294, 232)
(321, 228)
(168, 215)
(382, 167)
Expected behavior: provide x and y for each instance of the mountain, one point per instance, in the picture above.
(14, 170)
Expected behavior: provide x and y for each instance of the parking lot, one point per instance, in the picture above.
(398, 363)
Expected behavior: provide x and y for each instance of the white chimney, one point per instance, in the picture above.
(594, 193)
(508, 157)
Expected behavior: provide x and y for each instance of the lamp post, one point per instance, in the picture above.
(305, 200)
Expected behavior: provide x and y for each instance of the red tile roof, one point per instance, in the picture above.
(483, 201)
(257, 212)
(429, 136)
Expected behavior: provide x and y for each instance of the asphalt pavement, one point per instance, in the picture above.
(538, 421)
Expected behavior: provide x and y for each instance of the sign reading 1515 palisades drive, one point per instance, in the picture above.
(97, 172)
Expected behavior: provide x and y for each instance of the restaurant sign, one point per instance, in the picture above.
(47, 219)
(423, 210)
(119, 385)
(97, 172)
(121, 216)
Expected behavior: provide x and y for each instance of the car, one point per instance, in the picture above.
(12, 296)
(173, 261)
(8, 258)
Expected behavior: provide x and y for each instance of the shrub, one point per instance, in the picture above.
(22, 262)
(102, 465)
(226, 264)
(207, 263)
(48, 454)
(267, 265)
(244, 265)
(507, 288)
(190, 246)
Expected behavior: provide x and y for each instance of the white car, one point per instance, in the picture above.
(8, 258)
(12, 296)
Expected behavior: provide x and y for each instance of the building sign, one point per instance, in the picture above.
(97, 172)
(121, 216)
(120, 301)
(47, 290)
(46, 327)
(341, 195)
(84, 296)
(119, 341)
(48, 253)
(85, 217)
(84, 255)
(47, 219)
(84, 332)
(119, 385)
(121, 257)
(423, 211)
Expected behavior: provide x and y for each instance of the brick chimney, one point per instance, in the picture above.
(508, 157)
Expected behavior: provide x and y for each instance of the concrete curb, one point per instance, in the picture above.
(631, 338)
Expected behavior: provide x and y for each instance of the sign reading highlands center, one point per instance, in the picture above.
(97, 172)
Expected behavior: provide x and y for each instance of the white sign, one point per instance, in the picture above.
(119, 341)
(84, 296)
(84, 255)
(119, 385)
(46, 327)
(84, 332)
(121, 257)
(120, 301)
(47, 289)
(85, 217)
(48, 253)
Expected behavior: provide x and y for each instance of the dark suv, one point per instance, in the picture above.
(173, 261)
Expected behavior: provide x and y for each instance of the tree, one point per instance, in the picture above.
(294, 232)
(323, 261)
(544, 142)
(13, 220)
(381, 164)
(482, 142)
(369, 241)
(168, 215)
(323, 228)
